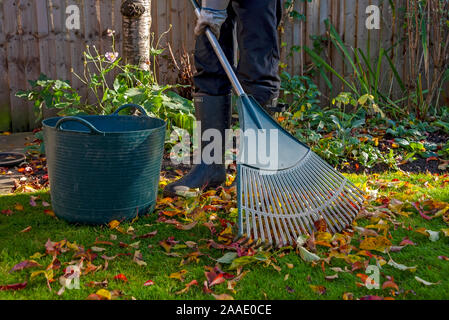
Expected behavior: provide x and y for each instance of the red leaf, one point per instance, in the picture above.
(373, 298)
(218, 279)
(24, 265)
(416, 205)
(14, 287)
(148, 283)
(121, 277)
(407, 242)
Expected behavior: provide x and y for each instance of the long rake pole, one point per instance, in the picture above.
(221, 55)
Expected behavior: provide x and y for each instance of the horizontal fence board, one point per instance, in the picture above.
(34, 39)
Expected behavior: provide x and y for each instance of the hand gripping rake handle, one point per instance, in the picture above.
(221, 55)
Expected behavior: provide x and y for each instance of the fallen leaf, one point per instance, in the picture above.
(121, 277)
(97, 249)
(24, 265)
(318, 289)
(228, 258)
(330, 278)
(401, 266)
(13, 287)
(148, 283)
(179, 275)
(308, 256)
(18, 207)
(138, 258)
(426, 283)
(375, 243)
(27, 229)
(187, 288)
(390, 285)
(187, 227)
(113, 224)
(223, 296)
(104, 294)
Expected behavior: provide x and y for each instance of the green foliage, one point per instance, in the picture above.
(129, 84)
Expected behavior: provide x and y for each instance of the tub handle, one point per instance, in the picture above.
(131, 105)
(89, 125)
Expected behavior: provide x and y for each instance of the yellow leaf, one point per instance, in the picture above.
(178, 275)
(375, 243)
(105, 294)
(446, 232)
(113, 224)
(18, 207)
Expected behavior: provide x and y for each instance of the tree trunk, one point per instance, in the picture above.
(136, 32)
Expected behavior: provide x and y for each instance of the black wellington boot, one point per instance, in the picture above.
(214, 112)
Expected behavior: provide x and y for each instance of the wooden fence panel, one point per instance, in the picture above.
(34, 39)
(5, 112)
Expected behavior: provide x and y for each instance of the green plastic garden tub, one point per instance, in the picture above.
(104, 168)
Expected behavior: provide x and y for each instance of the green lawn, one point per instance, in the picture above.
(261, 282)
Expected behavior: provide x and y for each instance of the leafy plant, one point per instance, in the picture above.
(130, 85)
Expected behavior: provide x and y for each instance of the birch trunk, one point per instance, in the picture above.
(136, 32)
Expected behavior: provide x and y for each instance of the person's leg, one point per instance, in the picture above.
(257, 31)
(210, 77)
(212, 100)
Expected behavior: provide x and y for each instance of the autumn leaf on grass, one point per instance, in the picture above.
(97, 249)
(390, 285)
(101, 294)
(407, 242)
(375, 243)
(27, 229)
(426, 283)
(308, 256)
(318, 289)
(148, 283)
(50, 213)
(13, 287)
(187, 288)
(187, 227)
(445, 232)
(226, 235)
(401, 266)
(228, 258)
(138, 258)
(179, 275)
(164, 244)
(121, 277)
(242, 261)
(18, 207)
(48, 276)
(113, 224)
(223, 296)
(25, 265)
(433, 236)
(148, 235)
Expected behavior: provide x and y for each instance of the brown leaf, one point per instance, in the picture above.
(223, 296)
(25, 265)
(390, 284)
(318, 289)
(27, 229)
(187, 227)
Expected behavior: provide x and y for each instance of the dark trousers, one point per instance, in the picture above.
(257, 36)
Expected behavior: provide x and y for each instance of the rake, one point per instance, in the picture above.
(284, 189)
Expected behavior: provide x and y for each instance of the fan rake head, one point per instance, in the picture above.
(276, 207)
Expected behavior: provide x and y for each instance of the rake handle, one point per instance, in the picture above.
(221, 55)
